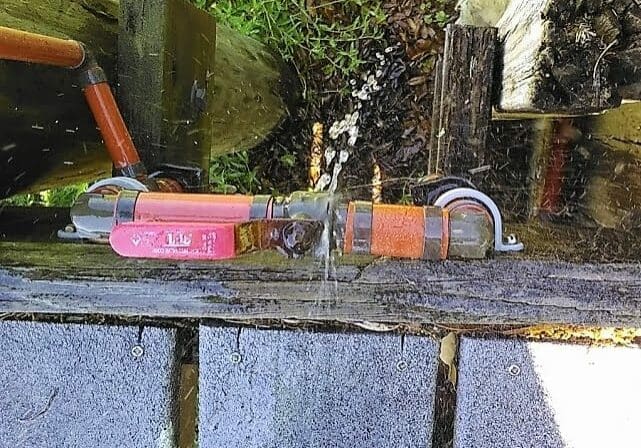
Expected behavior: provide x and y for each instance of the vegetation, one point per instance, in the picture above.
(436, 12)
(312, 36)
(320, 38)
(306, 32)
(231, 173)
(56, 197)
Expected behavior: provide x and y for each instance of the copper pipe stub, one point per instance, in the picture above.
(114, 132)
(22, 46)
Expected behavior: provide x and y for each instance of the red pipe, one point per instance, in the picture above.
(551, 200)
(114, 132)
(18, 45)
(183, 207)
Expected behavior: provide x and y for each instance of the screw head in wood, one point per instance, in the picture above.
(235, 358)
(514, 370)
(137, 351)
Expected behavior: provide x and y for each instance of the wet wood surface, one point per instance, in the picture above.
(81, 279)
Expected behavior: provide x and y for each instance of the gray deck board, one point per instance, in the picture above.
(81, 385)
(263, 388)
(88, 279)
(538, 394)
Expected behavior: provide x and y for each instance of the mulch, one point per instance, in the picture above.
(394, 122)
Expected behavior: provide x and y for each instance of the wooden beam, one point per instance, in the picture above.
(42, 110)
(568, 275)
(89, 279)
(462, 107)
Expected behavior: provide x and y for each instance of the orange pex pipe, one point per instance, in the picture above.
(119, 144)
(395, 231)
(349, 229)
(18, 45)
(183, 207)
(398, 231)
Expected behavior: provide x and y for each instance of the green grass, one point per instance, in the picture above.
(56, 197)
(304, 32)
(231, 173)
(310, 35)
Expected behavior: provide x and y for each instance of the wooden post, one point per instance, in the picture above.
(166, 51)
(463, 103)
(563, 57)
(433, 157)
(49, 137)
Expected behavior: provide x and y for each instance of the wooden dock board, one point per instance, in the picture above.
(87, 279)
(264, 388)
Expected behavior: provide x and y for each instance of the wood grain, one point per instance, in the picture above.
(462, 107)
(89, 280)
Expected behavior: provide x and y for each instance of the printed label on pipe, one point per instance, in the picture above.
(174, 241)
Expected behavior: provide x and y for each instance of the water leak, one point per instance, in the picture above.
(569, 188)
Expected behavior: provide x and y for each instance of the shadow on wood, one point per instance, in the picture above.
(163, 87)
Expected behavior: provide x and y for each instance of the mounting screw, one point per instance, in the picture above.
(235, 358)
(511, 239)
(514, 370)
(137, 351)
(401, 366)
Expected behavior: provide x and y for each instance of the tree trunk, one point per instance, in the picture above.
(49, 137)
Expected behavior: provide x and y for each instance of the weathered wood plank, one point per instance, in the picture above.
(91, 280)
(433, 162)
(290, 389)
(463, 104)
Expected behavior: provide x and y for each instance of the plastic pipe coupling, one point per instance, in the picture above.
(463, 229)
